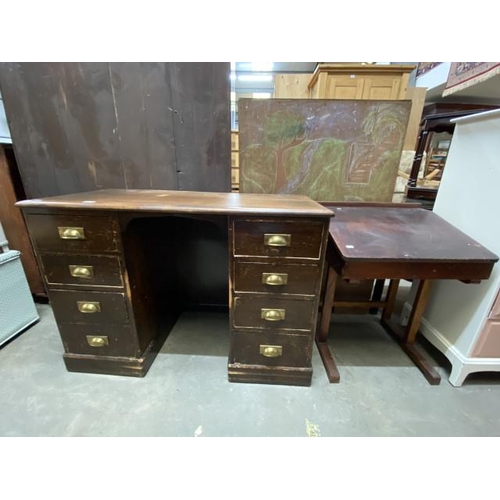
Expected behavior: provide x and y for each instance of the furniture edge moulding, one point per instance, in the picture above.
(365, 69)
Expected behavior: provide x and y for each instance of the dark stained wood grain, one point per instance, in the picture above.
(305, 239)
(393, 234)
(246, 313)
(453, 269)
(14, 226)
(296, 349)
(107, 270)
(101, 233)
(200, 97)
(83, 126)
(144, 112)
(328, 298)
(276, 375)
(395, 243)
(132, 366)
(331, 369)
(23, 108)
(157, 252)
(183, 202)
(390, 299)
(113, 307)
(301, 279)
(121, 339)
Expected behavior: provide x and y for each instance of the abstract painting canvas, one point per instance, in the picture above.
(329, 150)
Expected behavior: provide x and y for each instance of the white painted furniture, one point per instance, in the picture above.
(463, 320)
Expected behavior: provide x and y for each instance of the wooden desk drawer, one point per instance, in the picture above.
(106, 340)
(64, 233)
(302, 238)
(271, 349)
(103, 270)
(89, 307)
(266, 278)
(250, 311)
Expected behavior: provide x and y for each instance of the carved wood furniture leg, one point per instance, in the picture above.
(406, 338)
(322, 336)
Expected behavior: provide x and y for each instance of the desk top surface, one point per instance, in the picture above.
(149, 200)
(401, 234)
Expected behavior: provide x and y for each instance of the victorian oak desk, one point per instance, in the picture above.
(120, 265)
(396, 242)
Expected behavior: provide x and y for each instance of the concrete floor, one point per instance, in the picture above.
(186, 392)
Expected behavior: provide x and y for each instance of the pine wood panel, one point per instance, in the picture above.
(292, 86)
(417, 96)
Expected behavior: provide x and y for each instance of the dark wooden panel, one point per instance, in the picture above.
(113, 307)
(466, 271)
(101, 233)
(246, 313)
(296, 349)
(301, 279)
(120, 338)
(24, 110)
(74, 136)
(85, 126)
(144, 112)
(116, 365)
(276, 375)
(107, 271)
(393, 234)
(185, 202)
(15, 228)
(306, 238)
(200, 96)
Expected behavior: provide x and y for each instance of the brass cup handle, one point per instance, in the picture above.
(97, 341)
(274, 279)
(271, 351)
(277, 240)
(273, 314)
(89, 307)
(71, 233)
(81, 271)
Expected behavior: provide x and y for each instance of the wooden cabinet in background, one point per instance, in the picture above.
(11, 191)
(358, 81)
(292, 85)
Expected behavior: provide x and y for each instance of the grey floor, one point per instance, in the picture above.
(186, 392)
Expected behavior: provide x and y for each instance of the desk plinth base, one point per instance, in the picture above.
(115, 365)
(256, 374)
